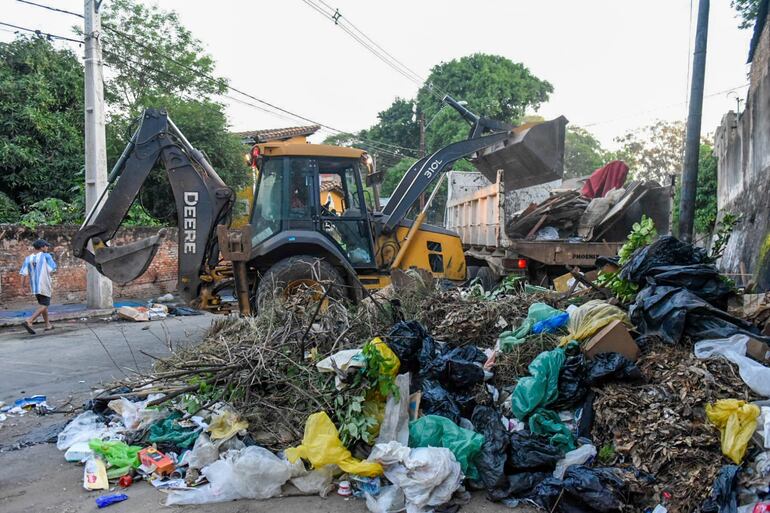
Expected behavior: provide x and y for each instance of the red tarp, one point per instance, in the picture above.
(604, 179)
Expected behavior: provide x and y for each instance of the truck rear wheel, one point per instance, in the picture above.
(487, 278)
(294, 274)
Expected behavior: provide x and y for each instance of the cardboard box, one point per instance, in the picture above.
(137, 314)
(562, 283)
(758, 350)
(613, 338)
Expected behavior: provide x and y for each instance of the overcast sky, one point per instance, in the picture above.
(615, 65)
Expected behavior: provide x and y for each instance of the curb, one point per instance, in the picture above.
(90, 314)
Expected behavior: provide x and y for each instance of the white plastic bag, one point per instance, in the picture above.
(135, 414)
(574, 457)
(78, 452)
(314, 481)
(85, 427)
(754, 374)
(390, 500)
(763, 425)
(395, 425)
(203, 453)
(252, 473)
(427, 475)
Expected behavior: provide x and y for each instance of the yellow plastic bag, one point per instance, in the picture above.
(391, 363)
(736, 421)
(226, 425)
(321, 446)
(590, 318)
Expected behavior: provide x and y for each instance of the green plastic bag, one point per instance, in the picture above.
(121, 457)
(537, 312)
(168, 431)
(542, 387)
(437, 431)
(547, 422)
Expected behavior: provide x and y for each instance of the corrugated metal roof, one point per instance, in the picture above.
(277, 134)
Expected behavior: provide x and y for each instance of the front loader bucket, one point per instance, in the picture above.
(122, 264)
(534, 154)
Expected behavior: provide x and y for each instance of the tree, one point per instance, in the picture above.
(494, 87)
(394, 174)
(150, 53)
(41, 108)
(583, 153)
(653, 152)
(705, 192)
(748, 10)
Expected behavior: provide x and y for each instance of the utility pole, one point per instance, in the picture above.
(99, 288)
(421, 123)
(692, 138)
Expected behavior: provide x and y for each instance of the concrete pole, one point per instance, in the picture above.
(692, 138)
(99, 290)
(421, 122)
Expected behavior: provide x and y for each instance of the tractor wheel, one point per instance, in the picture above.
(472, 272)
(298, 273)
(487, 278)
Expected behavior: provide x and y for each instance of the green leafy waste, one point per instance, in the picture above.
(642, 234)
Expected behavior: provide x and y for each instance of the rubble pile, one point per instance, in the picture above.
(569, 401)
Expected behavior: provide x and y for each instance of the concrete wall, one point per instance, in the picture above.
(70, 279)
(743, 150)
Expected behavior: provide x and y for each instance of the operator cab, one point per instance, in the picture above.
(314, 188)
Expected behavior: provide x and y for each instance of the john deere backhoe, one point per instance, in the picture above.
(308, 223)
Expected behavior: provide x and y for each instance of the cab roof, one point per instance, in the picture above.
(303, 149)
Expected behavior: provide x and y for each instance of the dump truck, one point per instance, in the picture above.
(505, 228)
(296, 233)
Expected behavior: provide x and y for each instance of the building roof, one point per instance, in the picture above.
(759, 26)
(277, 134)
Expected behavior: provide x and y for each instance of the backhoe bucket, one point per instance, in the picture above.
(122, 264)
(534, 154)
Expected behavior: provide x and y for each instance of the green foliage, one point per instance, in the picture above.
(379, 371)
(705, 192)
(583, 153)
(204, 124)
(494, 87)
(748, 10)
(653, 152)
(394, 175)
(724, 229)
(141, 61)
(9, 210)
(41, 108)
(509, 285)
(606, 454)
(51, 211)
(642, 234)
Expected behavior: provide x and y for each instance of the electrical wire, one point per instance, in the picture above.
(378, 145)
(55, 9)
(41, 33)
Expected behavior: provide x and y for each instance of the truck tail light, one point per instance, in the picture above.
(521, 263)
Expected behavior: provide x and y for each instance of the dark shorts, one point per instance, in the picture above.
(43, 300)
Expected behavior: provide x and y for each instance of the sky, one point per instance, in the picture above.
(615, 65)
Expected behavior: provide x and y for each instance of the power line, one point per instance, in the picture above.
(380, 145)
(51, 8)
(41, 33)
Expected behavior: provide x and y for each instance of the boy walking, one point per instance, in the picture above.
(38, 267)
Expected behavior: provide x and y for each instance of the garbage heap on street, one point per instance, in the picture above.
(646, 390)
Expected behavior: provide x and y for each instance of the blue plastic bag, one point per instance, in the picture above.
(552, 324)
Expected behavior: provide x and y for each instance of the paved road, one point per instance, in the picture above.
(76, 357)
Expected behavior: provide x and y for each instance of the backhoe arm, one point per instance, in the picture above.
(419, 177)
(202, 202)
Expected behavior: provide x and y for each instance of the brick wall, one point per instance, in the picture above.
(70, 279)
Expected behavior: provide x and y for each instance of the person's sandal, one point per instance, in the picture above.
(29, 329)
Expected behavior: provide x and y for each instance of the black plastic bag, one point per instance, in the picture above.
(572, 382)
(611, 366)
(491, 460)
(517, 485)
(670, 312)
(585, 415)
(665, 251)
(583, 490)
(703, 280)
(456, 368)
(531, 452)
(724, 494)
(406, 339)
(436, 400)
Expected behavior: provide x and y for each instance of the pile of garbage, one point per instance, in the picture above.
(571, 403)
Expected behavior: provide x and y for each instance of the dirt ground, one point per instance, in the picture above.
(66, 365)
